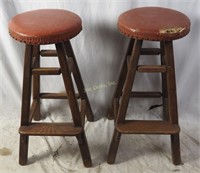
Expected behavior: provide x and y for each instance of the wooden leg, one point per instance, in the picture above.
(115, 107)
(68, 85)
(23, 150)
(164, 85)
(84, 149)
(79, 81)
(132, 67)
(36, 82)
(25, 110)
(121, 80)
(175, 145)
(114, 147)
(172, 100)
(82, 141)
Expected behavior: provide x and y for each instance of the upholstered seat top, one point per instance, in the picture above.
(154, 23)
(46, 26)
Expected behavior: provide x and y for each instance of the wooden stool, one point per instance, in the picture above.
(154, 24)
(50, 26)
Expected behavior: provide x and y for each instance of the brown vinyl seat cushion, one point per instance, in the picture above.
(154, 23)
(46, 26)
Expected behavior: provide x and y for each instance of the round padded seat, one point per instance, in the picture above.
(46, 26)
(154, 23)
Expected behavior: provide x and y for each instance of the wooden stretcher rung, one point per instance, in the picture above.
(50, 129)
(47, 71)
(152, 68)
(56, 96)
(150, 51)
(147, 127)
(146, 94)
(48, 53)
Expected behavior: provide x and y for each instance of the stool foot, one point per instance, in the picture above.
(23, 149)
(175, 145)
(114, 147)
(84, 149)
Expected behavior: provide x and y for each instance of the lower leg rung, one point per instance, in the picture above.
(48, 53)
(150, 51)
(146, 94)
(152, 68)
(56, 96)
(46, 71)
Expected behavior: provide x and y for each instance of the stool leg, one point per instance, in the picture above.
(121, 80)
(26, 95)
(172, 100)
(73, 104)
(176, 153)
(79, 81)
(68, 85)
(114, 147)
(132, 68)
(164, 85)
(36, 82)
(23, 150)
(84, 149)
